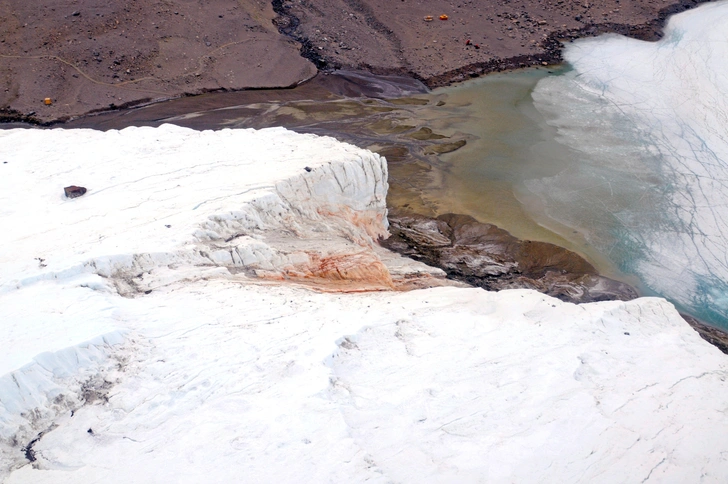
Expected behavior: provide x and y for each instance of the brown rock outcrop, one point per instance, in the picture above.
(486, 256)
(100, 55)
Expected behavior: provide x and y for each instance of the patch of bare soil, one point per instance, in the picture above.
(89, 55)
(473, 37)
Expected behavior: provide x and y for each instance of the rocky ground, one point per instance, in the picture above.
(93, 55)
(90, 55)
(486, 256)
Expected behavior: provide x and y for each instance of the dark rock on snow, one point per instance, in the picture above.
(74, 192)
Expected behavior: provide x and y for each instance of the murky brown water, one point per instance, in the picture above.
(465, 149)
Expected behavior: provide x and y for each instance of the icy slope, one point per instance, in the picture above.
(138, 352)
(163, 205)
(171, 196)
(281, 384)
(647, 121)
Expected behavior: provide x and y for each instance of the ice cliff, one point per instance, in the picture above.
(259, 201)
(216, 308)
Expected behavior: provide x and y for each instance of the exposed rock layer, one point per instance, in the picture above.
(714, 336)
(486, 256)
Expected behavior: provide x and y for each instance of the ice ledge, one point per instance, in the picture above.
(162, 206)
(270, 202)
(35, 395)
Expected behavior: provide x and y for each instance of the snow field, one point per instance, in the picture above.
(138, 352)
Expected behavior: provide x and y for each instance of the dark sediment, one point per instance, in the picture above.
(486, 256)
(483, 255)
(288, 25)
(712, 335)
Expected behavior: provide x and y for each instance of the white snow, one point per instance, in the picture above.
(157, 198)
(648, 121)
(226, 372)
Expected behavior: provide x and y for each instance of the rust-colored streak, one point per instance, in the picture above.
(358, 272)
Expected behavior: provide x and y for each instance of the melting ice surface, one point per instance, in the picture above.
(211, 368)
(648, 123)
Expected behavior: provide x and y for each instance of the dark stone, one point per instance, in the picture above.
(308, 169)
(73, 191)
(486, 256)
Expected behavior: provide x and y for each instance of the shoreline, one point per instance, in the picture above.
(551, 53)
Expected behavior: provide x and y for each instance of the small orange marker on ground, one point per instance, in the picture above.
(428, 18)
(47, 101)
(443, 17)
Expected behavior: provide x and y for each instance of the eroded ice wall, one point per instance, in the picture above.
(647, 122)
(163, 205)
(259, 201)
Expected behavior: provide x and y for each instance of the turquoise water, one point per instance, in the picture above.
(623, 155)
(509, 144)
(648, 183)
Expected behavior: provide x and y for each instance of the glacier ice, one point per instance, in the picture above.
(647, 123)
(141, 350)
